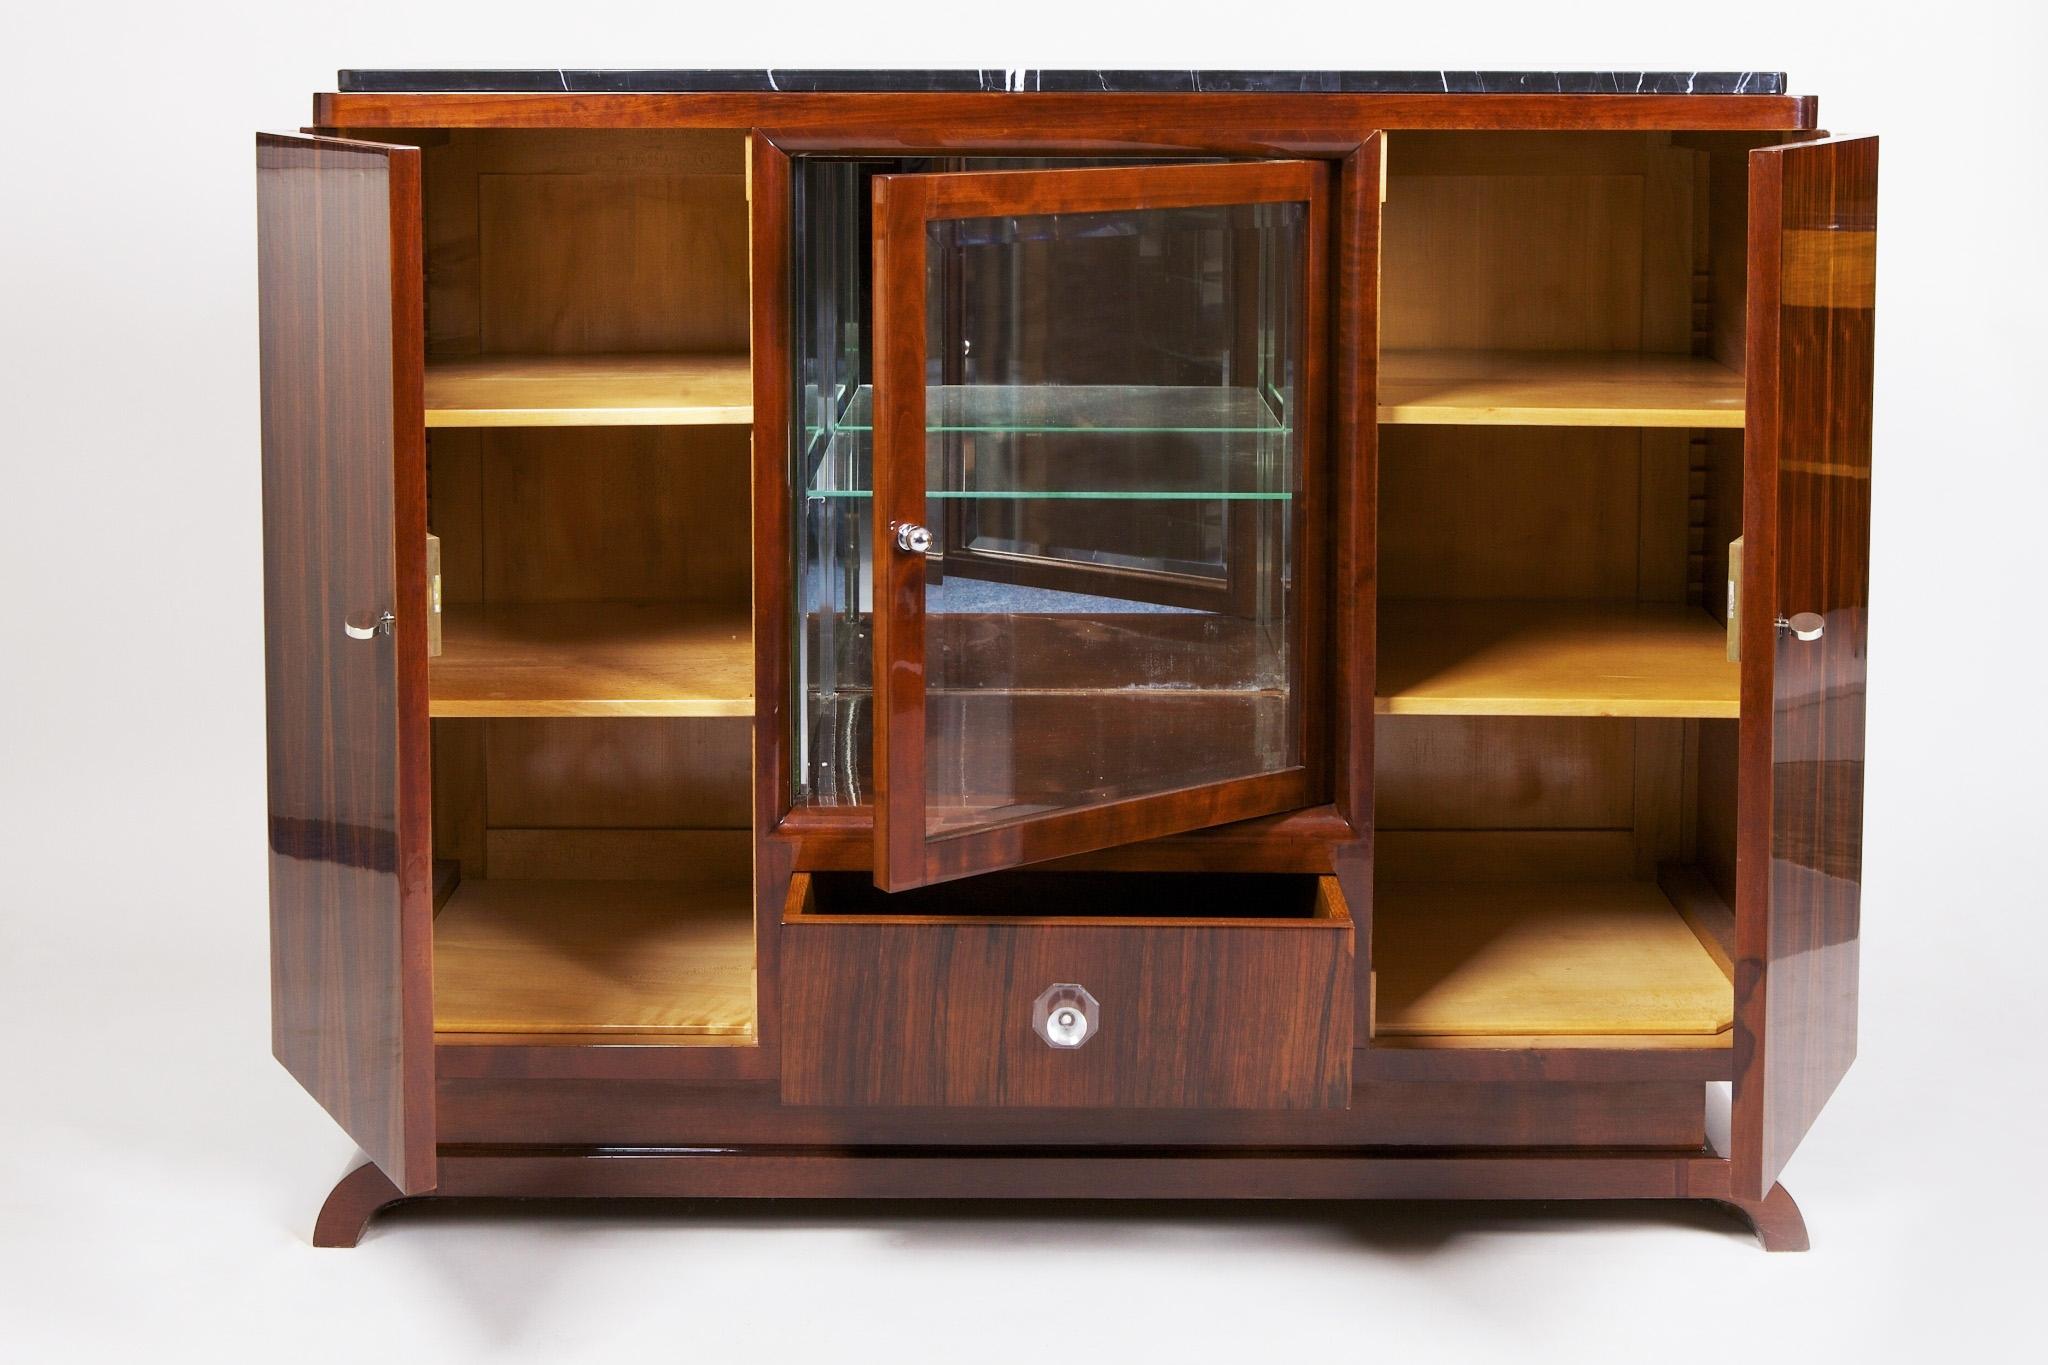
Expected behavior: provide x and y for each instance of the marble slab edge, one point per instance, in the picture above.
(372, 81)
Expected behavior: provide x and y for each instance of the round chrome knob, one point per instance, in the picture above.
(1065, 1015)
(1806, 625)
(912, 538)
(380, 626)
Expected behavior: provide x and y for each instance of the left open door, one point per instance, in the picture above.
(345, 654)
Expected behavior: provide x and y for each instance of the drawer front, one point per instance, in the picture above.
(1222, 1014)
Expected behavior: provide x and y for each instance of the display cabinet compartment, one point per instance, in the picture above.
(1186, 990)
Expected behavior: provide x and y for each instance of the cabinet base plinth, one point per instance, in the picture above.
(950, 1173)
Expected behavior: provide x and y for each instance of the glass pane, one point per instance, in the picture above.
(1112, 464)
(832, 670)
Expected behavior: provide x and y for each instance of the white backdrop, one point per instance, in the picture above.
(159, 1174)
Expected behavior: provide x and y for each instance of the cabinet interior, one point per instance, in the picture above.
(589, 401)
(1560, 459)
(1560, 477)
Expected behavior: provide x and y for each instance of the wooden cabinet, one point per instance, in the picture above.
(1135, 643)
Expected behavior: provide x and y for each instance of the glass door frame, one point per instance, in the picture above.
(905, 205)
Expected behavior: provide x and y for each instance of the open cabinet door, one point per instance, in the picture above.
(1115, 375)
(1806, 536)
(345, 659)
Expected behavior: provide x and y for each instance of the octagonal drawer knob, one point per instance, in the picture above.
(1065, 1015)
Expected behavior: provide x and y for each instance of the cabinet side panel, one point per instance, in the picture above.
(344, 541)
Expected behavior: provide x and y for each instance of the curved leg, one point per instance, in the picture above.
(1775, 1219)
(360, 1196)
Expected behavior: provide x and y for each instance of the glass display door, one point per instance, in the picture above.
(1094, 436)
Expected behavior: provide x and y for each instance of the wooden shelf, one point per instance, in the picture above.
(1522, 961)
(1449, 658)
(593, 659)
(590, 391)
(1557, 389)
(576, 959)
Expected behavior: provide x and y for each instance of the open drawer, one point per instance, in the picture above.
(1068, 990)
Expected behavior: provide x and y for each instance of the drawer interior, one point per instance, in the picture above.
(1034, 895)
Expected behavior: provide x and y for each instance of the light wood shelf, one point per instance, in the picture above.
(593, 659)
(573, 959)
(1525, 961)
(1451, 658)
(590, 391)
(1557, 389)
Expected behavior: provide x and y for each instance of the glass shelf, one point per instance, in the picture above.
(1068, 442)
(1127, 408)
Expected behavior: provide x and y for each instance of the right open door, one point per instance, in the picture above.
(1806, 571)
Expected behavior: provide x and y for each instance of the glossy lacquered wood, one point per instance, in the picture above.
(827, 1173)
(1806, 538)
(1199, 1013)
(483, 1103)
(344, 541)
(770, 247)
(906, 852)
(1598, 1092)
(1235, 124)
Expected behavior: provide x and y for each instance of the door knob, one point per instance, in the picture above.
(381, 626)
(912, 538)
(1806, 625)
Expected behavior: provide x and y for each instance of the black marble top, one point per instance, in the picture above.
(1148, 82)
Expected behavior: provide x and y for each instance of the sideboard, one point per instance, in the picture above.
(1039, 634)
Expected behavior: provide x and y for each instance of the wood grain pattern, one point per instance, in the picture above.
(488, 1104)
(613, 261)
(459, 779)
(1557, 388)
(1503, 773)
(590, 391)
(1552, 659)
(1541, 958)
(593, 659)
(621, 514)
(828, 1171)
(458, 161)
(344, 535)
(1196, 1013)
(573, 958)
(1515, 513)
(359, 1196)
(1806, 548)
(684, 858)
(1709, 917)
(1504, 855)
(598, 772)
(831, 1172)
(1539, 241)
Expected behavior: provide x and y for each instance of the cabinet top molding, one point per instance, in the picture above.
(816, 81)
